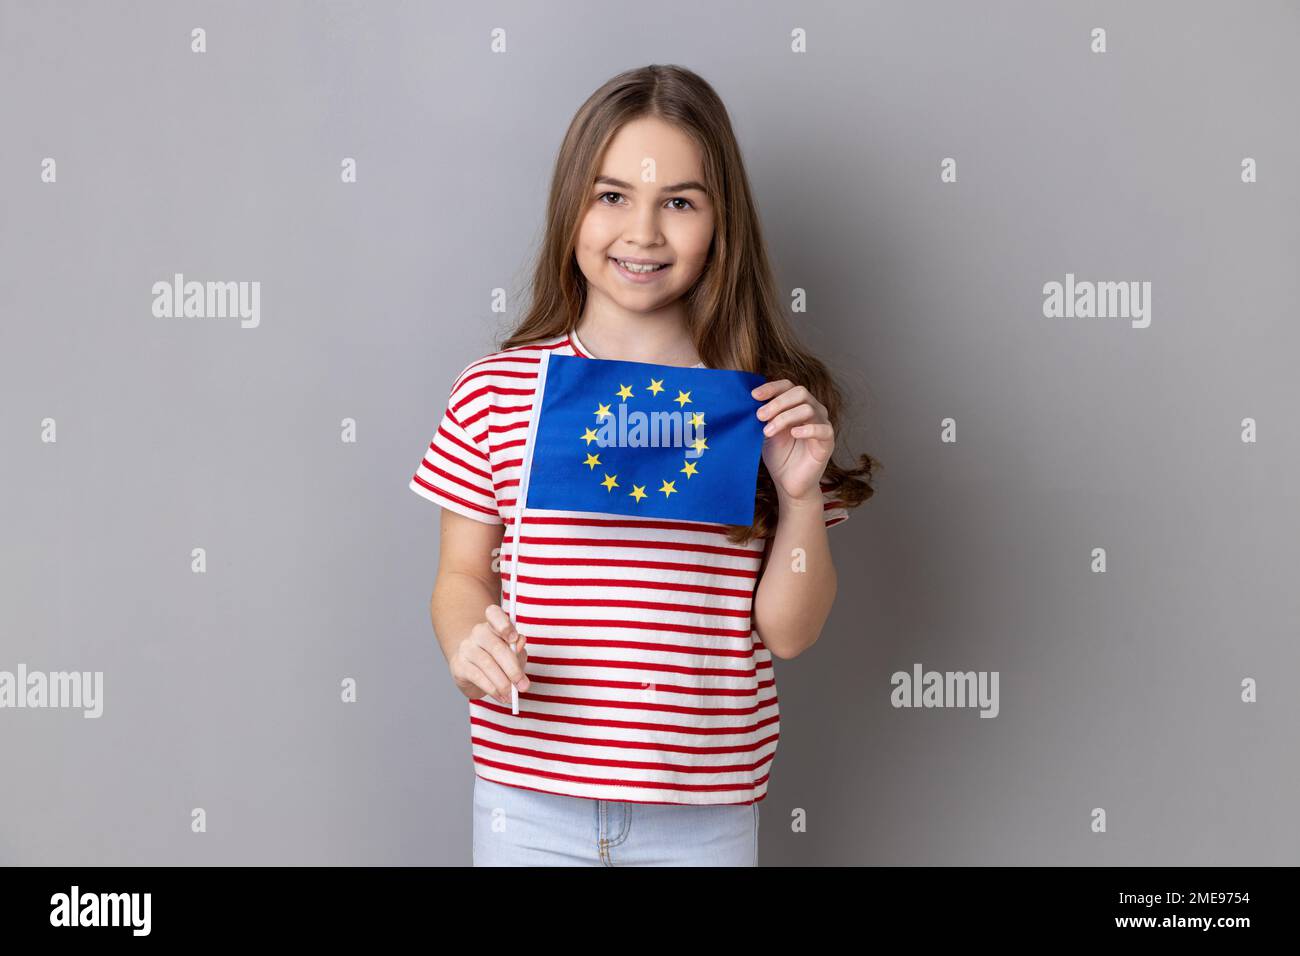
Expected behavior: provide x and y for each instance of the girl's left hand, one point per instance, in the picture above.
(799, 438)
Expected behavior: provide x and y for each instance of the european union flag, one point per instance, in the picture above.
(633, 438)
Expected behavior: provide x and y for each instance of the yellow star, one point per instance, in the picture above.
(697, 419)
(668, 488)
(625, 391)
(682, 397)
(602, 411)
(699, 444)
(592, 460)
(589, 437)
(609, 483)
(637, 492)
(689, 469)
(656, 386)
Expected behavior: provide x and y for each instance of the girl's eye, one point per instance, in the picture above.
(689, 204)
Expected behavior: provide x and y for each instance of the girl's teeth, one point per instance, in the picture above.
(634, 267)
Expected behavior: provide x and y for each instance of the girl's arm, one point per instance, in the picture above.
(472, 629)
(797, 586)
(798, 580)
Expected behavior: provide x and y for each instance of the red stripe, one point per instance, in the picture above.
(472, 449)
(635, 705)
(632, 665)
(448, 476)
(640, 664)
(486, 476)
(665, 524)
(644, 605)
(508, 355)
(493, 391)
(643, 625)
(644, 784)
(562, 680)
(627, 583)
(614, 563)
(450, 497)
(623, 744)
(749, 767)
(502, 446)
(686, 546)
(627, 724)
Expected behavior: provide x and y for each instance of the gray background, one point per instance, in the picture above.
(1118, 690)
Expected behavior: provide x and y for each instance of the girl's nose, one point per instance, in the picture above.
(643, 230)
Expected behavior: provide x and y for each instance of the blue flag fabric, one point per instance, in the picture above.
(634, 438)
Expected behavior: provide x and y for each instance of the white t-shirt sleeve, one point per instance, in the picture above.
(456, 472)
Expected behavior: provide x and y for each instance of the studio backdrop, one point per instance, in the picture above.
(1050, 253)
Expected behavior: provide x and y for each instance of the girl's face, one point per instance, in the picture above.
(666, 221)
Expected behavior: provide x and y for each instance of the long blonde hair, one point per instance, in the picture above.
(733, 311)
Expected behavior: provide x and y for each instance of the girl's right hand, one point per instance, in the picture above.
(484, 665)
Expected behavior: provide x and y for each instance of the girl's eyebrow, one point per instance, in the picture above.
(674, 188)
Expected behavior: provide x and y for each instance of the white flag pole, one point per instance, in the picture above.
(520, 503)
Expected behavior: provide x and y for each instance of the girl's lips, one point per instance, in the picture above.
(639, 277)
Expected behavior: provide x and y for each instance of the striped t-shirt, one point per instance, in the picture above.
(648, 682)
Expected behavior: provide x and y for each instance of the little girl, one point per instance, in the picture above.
(642, 649)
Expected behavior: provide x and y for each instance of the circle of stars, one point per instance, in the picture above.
(668, 488)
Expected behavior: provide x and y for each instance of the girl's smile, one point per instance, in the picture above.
(645, 269)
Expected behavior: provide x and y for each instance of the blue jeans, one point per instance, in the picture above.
(514, 826)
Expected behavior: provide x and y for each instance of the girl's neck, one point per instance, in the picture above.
(658, 339)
